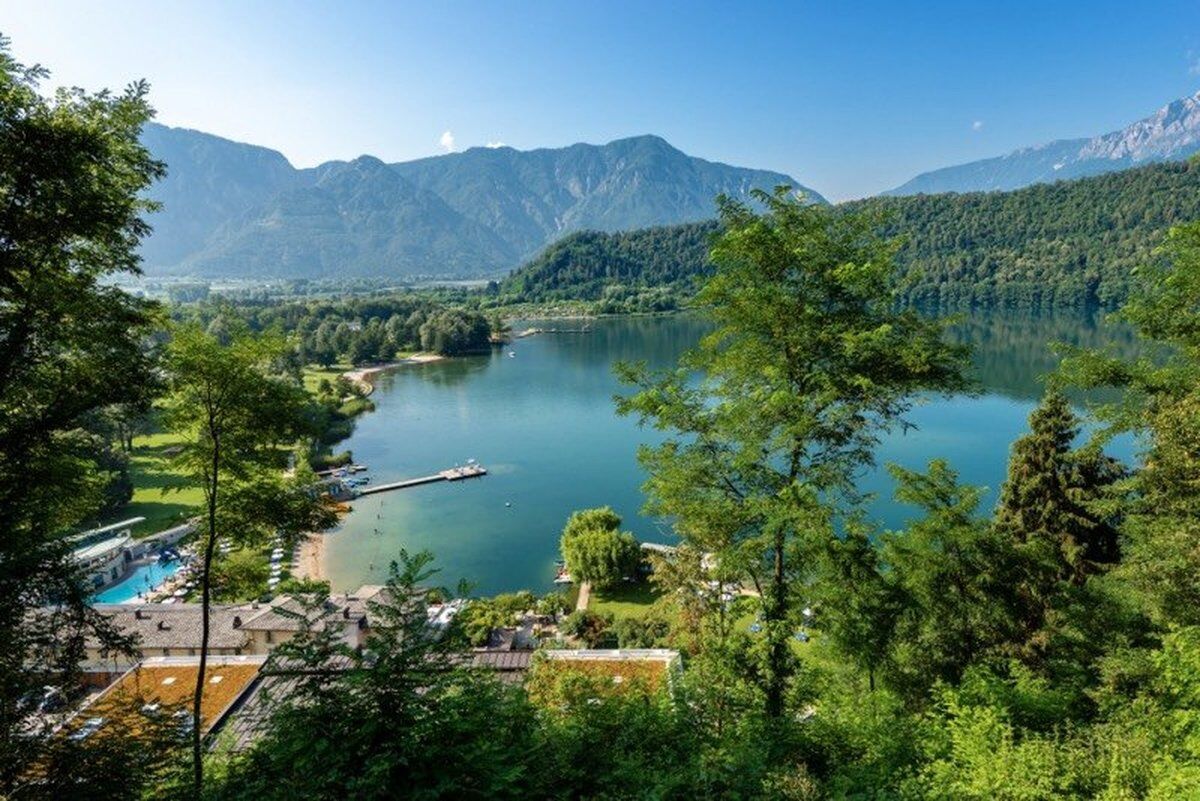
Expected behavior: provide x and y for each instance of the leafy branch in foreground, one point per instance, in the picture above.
(235, 413)
(775, 412)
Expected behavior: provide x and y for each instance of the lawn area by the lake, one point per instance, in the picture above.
(154, 481)
(628, 599)
(161, 493)
(312, 375)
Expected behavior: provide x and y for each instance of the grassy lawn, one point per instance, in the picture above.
(312, 375)
(625, 599)
(155, 479)
(153, 475)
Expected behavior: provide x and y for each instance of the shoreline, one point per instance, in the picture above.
(364, 377)
(310, 557)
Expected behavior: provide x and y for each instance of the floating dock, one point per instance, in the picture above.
(453, 474)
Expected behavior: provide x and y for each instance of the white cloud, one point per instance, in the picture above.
(977, 125)
(496, 144)
(447, 141)
(1193, 62)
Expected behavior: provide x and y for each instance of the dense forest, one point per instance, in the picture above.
(623, 271)
(353, 331)
(1071, 244)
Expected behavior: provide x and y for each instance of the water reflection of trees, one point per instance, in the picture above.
(1012, 352)
(446, 373)
(657, 340)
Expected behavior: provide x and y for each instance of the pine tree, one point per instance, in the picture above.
(1048, 500)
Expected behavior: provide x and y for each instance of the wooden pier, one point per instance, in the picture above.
(453, 474)
(532, 332)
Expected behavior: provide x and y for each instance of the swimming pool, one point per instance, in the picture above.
(144, 578)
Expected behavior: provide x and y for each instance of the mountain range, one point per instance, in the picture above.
(238, 210)
(233, 209)
(1172, 132)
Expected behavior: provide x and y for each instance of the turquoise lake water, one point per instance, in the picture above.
(543, 424)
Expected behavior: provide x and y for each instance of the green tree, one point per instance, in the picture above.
(73, 176)
(1161, 400)
(596, 550)
(593, 628)
(1054, 510)
(810, 362)
(234, 412)
(401, 720)
(453, 332)
(553, 604)
(238, 576)
(1048, 502)
(956, 577)
(858, 601)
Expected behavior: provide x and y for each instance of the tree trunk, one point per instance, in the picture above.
(198, 696)
(776, 612)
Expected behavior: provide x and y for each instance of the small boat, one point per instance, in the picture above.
(512, 354)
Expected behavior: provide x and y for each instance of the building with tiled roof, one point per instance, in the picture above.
(173, 630)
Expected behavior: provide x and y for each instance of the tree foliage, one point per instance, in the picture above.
(234, 411)
(355, 330)
(809, 364)
(596, 550)
(72, 178)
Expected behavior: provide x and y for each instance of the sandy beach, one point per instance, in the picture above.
(310, 561)
(365, 376)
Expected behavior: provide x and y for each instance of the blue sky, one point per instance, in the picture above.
(849, 98)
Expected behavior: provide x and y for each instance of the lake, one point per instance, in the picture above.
(542, 422)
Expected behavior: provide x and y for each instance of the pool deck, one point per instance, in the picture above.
(135, 583)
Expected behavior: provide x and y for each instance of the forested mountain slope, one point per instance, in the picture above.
(1072, 243)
